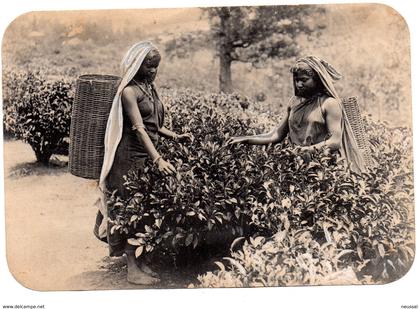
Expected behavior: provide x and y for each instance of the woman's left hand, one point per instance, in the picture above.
(184, 136)
(237, 140)
(165, 167)
(305, 152)
(304, 149)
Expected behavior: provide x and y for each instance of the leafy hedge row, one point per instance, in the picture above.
(326, 221)
(38, 111)
(362, 230)
(201, 203)
(316, 208)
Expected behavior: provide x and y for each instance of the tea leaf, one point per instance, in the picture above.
(237, 265)
(189, 239)
(139, 251)
(220, 265)
(381, 250)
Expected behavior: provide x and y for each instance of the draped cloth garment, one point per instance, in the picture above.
(307, 125)
(114, 129)
(311, 114)
(131, 155)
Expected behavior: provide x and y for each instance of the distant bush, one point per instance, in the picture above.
(38, 112)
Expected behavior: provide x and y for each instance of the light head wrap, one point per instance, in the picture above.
(325, 71)
(328, 75)
(130, 65)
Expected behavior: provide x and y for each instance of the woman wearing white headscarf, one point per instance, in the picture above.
(315, 116)
(134, 125)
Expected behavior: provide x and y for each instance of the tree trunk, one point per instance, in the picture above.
(225, 75)
(42, 156)
(225, 49)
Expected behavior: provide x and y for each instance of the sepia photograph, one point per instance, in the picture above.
(208, 147)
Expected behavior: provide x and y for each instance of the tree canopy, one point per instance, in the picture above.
(255, 34)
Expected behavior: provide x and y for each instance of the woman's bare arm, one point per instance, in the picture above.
(276, 135)
(333, 117)
(165, 132)
(129, 101)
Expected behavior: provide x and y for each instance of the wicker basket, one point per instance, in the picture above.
(357, 124)
(93, 100)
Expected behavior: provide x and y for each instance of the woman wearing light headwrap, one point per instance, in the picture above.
(134, 125)
(315, 116)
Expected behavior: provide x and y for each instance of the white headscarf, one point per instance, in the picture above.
(129, 66)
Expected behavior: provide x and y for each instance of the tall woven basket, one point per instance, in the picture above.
(358, 127)
(93, 101)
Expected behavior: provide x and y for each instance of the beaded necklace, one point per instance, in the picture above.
(147, 92)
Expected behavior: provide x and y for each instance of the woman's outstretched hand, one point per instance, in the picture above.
(165, 167)
(185, 137)
(237, 140)
(305, 152)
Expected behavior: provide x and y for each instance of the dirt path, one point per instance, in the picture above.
(49, 221)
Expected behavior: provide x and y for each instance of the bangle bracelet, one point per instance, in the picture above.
(157, 159)
(137, 127)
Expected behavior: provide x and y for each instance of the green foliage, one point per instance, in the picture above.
(256, 34)
(183, 45)
(282, 261)
(327, 222)
(198, 206)
(341, 229)
(37, 111)
(381, 83)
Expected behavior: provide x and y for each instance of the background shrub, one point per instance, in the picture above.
(38, 112)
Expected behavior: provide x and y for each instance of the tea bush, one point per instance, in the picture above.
(37, 111)
(327, 222)
(200, 203)
(295, 221)
(360, 229)
(281, 261)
